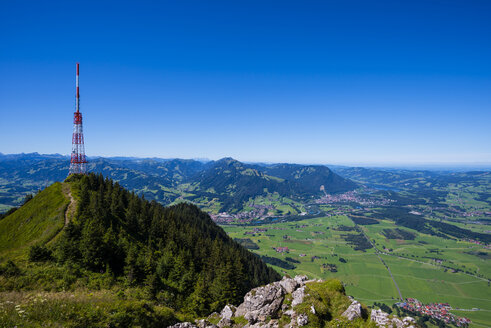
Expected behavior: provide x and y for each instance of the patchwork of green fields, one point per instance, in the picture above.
(417, 265)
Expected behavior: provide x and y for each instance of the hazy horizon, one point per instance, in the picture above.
(316, 82)
(387, 165)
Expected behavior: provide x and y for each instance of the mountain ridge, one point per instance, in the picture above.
(177, 255)
(167, 181)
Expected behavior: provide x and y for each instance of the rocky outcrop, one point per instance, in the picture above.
(289, 285)
(383, 320)
(261, 303)
(298, 296)
(204, 324)
(263, 306)
(183, 325)
(302, 320)
(353, 311)
(226, 316)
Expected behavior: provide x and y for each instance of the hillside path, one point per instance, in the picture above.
(70, 211)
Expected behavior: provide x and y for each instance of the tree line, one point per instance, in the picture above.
(178, 253)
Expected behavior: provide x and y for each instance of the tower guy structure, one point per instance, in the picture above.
(78, 162)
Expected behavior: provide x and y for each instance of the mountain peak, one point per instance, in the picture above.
(228, 160)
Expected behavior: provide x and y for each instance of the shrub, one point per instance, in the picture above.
(38, 253)
(9, 269)
(328, 299)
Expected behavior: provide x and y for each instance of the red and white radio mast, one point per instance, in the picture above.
(78, 162)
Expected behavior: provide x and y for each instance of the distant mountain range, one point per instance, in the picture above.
(227, 182)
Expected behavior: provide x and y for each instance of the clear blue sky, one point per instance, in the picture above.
(348, 82)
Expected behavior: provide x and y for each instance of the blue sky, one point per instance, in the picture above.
(340, 82)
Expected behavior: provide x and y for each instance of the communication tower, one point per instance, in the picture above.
(78, 161)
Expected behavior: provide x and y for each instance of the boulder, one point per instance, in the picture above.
(409, 320)
(183, 325)
(302, 320)
(271, 324)
(228, 312)
(252, 316)
(398, 323)
(289, 313)
(353, 311)
(261, 302)
(201, 323)
(298, 296)
(289, 284)
(224, 322)
(301, 279)
(380, 318)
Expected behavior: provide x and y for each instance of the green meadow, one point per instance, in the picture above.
(424, 268)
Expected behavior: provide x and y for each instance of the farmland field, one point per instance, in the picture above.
(429, 268)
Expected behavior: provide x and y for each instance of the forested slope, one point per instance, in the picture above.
(175, 257)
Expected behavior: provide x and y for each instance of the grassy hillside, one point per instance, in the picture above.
(126, 261)
(37, 221)
(427, 267)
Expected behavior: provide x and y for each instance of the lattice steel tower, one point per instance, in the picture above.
(78, 162)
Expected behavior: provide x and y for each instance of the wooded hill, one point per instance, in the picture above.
(229, 181)
(178, 255)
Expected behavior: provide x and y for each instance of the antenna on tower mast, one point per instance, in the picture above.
(78, 161)
(77, 100)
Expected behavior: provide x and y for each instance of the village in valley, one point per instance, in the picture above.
(439, 311)
(329, 204)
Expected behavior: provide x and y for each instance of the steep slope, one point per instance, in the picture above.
(178, 255)
(168, 181)
(308, 179)
(298, 302)
(37, 221)
(234, 182)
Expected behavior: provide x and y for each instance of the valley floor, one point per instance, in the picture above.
(424, 268)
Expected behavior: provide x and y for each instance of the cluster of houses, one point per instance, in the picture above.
(476, 213)
(352, 197)
(281, 249)
(440, 311)
(223, 217)
(477, 242)
(258, 211)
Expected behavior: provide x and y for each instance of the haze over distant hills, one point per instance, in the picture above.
(227, 181)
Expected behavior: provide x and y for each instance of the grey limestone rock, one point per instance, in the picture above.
(397, 322)
(353, 311)
(312, 309)
(228, 312)
(289, 284)
(382, 319)
(224, 322)
(261, 302)
(298, 296)
(183, 325)
(289, 313)
(409, 320)
(201, 323)
(271, 324)
(301, 279)
(302, 320)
